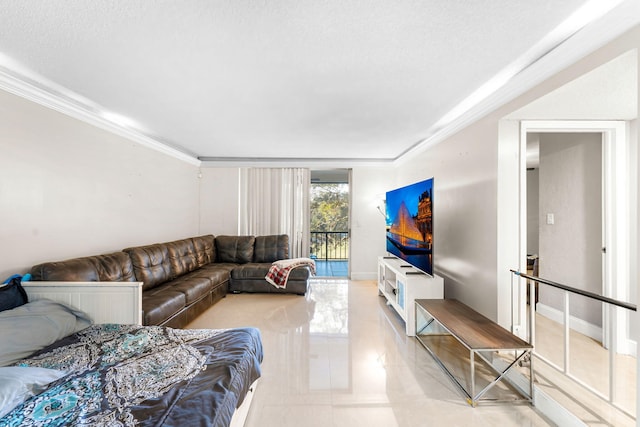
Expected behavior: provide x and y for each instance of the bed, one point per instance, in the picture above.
(58, 368)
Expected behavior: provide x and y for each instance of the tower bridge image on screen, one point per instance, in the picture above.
(410, 224)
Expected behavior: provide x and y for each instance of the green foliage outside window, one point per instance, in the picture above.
(329, 221)
(329, 207)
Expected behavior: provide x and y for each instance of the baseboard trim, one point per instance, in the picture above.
(579, 325)
(543, 402)
(628, 346)
(364, 276)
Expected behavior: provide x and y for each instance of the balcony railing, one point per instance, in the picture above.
(330, 245)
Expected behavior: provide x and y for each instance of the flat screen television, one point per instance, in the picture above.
(410, 224)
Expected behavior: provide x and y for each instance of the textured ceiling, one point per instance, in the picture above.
(341, 79)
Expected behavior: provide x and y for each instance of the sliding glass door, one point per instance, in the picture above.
(329, 206)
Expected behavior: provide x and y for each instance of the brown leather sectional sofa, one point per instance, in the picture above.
(183, 278)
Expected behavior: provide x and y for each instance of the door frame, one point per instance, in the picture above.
(616, 218)
(349, 221)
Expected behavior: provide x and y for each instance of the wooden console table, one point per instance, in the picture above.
(475, 332)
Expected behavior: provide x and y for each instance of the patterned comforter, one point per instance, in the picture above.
(124, 375)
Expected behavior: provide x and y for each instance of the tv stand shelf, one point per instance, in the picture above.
(401, 285)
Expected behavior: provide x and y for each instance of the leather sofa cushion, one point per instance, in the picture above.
(250, 271)
(205, 250)
(218, 273)
(114, 267)
(235, 249)
(182, 255)
(259, 270)
(160, 305)
(151, 264)
(192, 286)
(271, 248)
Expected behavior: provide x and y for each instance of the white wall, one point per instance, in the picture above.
(634, 241)
(368, 241)
(464, 168)
(571, 190)
(219, 192)
(69, 189)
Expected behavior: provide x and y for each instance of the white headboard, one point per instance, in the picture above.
(104, 302)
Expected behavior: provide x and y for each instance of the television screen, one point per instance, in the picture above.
(410, 224)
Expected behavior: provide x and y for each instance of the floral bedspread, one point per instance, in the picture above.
(125, 375)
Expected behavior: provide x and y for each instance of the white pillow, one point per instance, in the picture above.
(33, 326)
(17, 384)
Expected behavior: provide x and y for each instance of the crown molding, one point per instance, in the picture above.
(324, 162)
(575, 47)
(68, 103)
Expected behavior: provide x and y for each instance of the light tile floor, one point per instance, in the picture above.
(339, 357)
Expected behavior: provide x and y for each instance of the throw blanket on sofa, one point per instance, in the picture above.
(279, 272)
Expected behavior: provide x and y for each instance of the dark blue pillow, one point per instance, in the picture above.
(12, 295)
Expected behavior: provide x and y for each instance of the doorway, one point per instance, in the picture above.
(329, 222)
(612, 275)
(565, 222)
(584, 222)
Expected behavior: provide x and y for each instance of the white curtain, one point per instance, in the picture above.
(276, 201)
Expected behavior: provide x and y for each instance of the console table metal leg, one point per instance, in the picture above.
(422, 329)
(501, 375)
(473, 400)
(444, 368)
(531, 379)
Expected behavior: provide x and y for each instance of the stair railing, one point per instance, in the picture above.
(611, 303)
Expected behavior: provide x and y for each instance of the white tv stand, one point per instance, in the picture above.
(401, 284)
